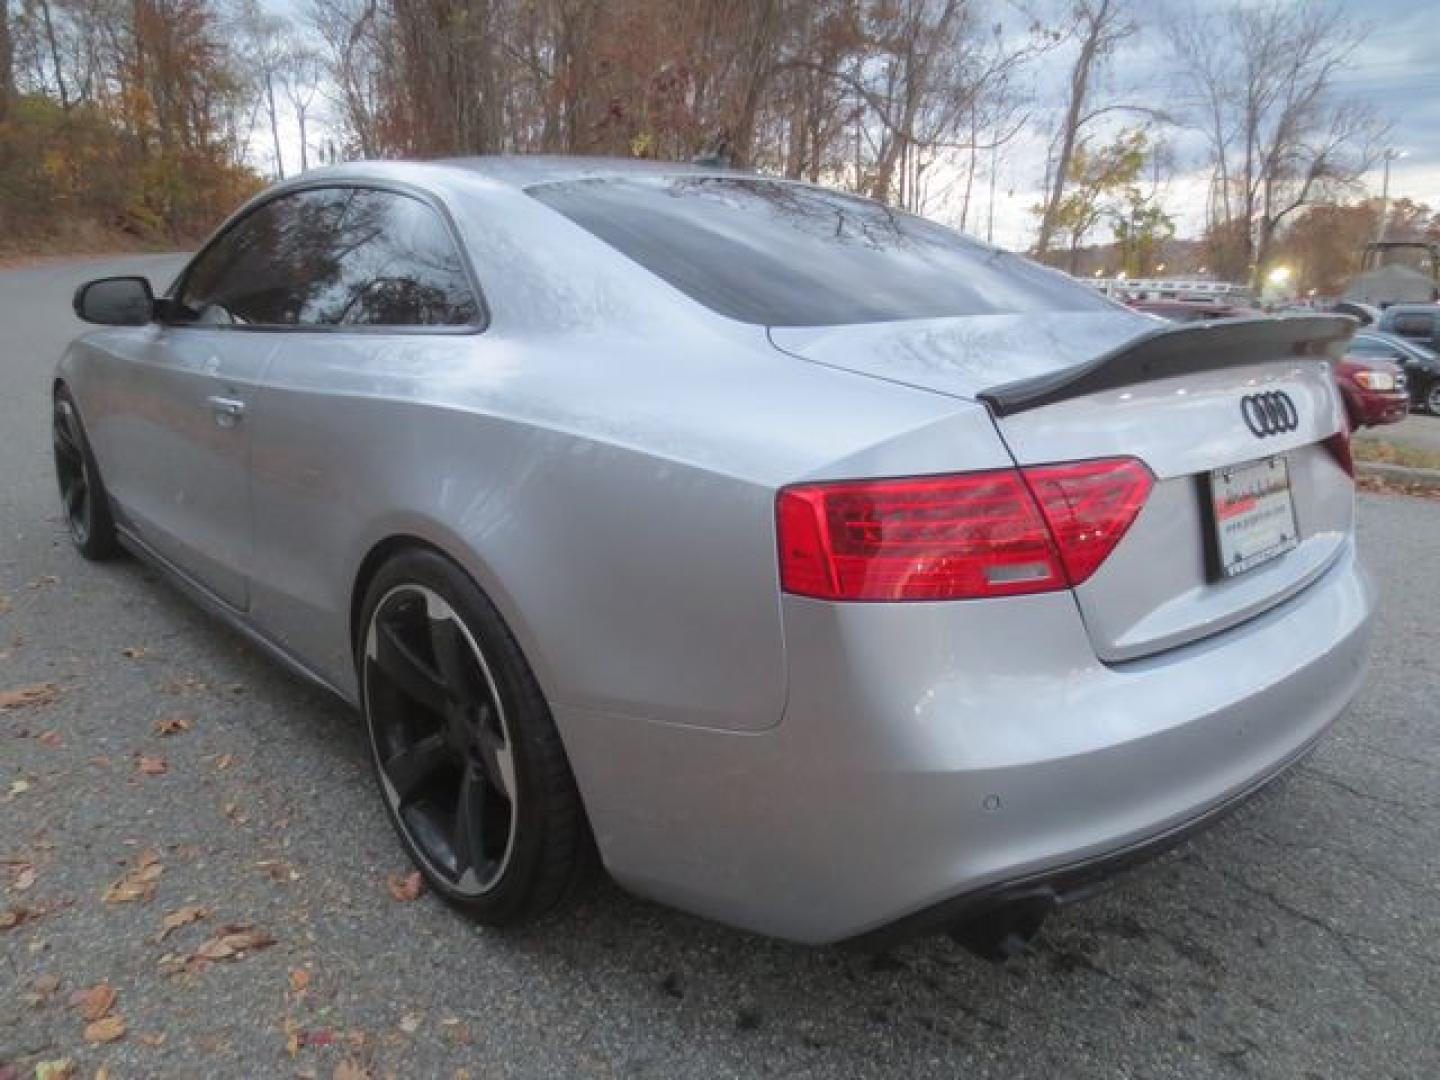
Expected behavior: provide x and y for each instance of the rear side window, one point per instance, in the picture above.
(1416, 324)
(778, 254)
(1374, 347)
(332, 257)
(395, 265)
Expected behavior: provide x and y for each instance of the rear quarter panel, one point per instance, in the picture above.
(614, 499)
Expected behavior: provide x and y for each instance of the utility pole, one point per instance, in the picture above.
(1390, 155)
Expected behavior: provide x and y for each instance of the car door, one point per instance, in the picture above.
(185, 441)
(337, 416)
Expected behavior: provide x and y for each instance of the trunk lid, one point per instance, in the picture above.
(1070, 387)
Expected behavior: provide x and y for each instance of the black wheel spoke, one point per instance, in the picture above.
(441, 738)
(409, 770)
(410, 674)
(469, 836)
(74, 495)
(495, 757)
(455, 661)
(65, 444)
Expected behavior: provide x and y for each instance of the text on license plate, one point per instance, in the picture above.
(1254, 514)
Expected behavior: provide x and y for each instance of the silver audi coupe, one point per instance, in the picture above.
(814, 568)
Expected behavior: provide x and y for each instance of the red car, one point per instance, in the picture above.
(1374, 390)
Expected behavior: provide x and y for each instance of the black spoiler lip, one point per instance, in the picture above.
(1178, 350)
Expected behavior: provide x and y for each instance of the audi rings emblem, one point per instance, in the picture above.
(1272, 413)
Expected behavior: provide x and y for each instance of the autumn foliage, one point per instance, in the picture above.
(126, 129)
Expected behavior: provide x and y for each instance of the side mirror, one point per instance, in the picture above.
(116, 301)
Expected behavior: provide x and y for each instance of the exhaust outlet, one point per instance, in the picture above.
(1007, 929)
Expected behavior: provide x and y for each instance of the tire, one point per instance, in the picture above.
(83, 498)
(1432, 398)
(470, 767)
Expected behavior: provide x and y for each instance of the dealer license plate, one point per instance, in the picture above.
(1254, 514)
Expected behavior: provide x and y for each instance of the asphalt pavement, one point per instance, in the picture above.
(179, 773)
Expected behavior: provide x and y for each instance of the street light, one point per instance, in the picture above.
(1390, 155)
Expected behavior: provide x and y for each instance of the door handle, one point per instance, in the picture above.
(228, 410)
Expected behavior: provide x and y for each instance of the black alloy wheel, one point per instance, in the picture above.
(82, 495)
(470, 766)
(442, 744)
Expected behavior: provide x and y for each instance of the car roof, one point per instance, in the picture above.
(527, 170)
(1413, 308)
(519, 170)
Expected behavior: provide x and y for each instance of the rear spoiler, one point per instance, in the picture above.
(1179, 350)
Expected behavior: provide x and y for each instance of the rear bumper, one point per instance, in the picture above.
(938, 754)
(1073, 881)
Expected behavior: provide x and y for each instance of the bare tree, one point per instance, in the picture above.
(1262, 79)
(267, 51)
(7, 62)
(1098, 27)
(300, 81)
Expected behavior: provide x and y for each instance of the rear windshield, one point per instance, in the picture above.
(781, 254)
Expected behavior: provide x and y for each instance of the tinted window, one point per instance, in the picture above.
(1373, 347)
(1415, 325)
(255, 273)
(333, 257)
(786, 255)
(396, 265)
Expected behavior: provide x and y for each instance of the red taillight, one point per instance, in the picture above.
(959, 536)
(1339, 447)
(1089, 505)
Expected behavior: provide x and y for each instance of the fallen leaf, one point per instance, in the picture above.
(278, 870)
(171, 725)
(43, 580)
(223, 761)
(42, 693)
(49, 738)
(133, 652)
(59, 1069)
(137, 883)
(349, 1069)
(102, 1073)
(105, 1030)
(405, 887)
(299, 980)
(24, 879)
(181, 916)
(13, 916)
(19, 787)
(409, 1023)
(233, 942)
(94, 1002)
(44, 986)
(151, 764)
(152, 1038)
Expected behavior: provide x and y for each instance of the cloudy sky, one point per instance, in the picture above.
(1396, 69)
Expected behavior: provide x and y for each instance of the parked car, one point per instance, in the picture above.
(1375, 391)
(1420, 364)
(1184, 311)
(833, 575)
(1419, 323)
